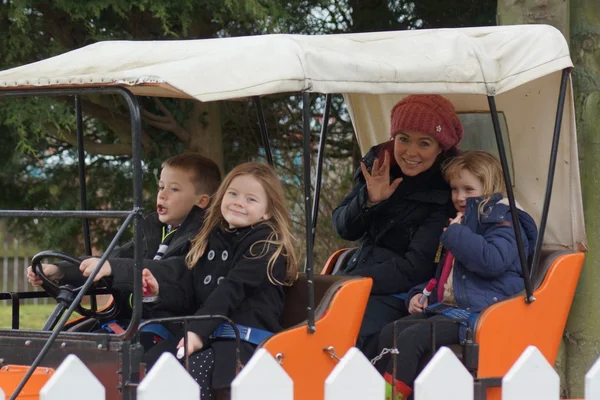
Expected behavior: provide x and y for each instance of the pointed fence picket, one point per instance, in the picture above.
(71, 379)
(531, 378)
(592, 382)
(262, 379)
(166, 375)
(353, 378)
(444, 377)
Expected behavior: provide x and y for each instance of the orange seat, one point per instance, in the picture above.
(11, 376)
(340, 304)
(337, 260)
(86, 324)
(505, 329)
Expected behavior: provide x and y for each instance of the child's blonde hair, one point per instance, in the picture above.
(484, 166)
(281, 237)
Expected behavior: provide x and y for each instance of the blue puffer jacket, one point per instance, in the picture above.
(487, 267)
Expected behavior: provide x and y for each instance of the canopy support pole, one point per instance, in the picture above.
(511, 200)
(551, 169)
(319, 172)
(82, 180)
(307, 213)
(83, 187)
(263, 130)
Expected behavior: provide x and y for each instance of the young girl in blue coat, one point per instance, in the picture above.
(239, 263)
(479, 267)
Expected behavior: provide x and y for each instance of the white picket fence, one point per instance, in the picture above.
(353, 378)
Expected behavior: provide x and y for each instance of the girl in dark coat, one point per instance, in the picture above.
(399, 207)
(480, 267)
(240, 261)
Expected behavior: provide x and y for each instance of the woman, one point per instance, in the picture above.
(399, 206)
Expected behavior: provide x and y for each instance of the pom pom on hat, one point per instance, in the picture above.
(431, 114)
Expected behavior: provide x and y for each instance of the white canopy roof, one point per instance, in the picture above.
(488, 60)
(519, 65)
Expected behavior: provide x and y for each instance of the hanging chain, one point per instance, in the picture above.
(383, 353)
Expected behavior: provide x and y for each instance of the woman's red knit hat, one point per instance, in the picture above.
(428, 113)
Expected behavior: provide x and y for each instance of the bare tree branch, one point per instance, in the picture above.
(110, 149)
(170, 123)
(119, 124)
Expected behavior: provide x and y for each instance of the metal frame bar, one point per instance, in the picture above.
(511, 200)
(263, 129)
(319, 168)
(15, 309)
(551, 169)
(308, 217)
(82, 180)
(136, 214)
(83, 187)
(65, 214)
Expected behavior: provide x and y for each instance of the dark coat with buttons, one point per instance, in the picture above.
(230, 279)
(487, 268)
(398, 237)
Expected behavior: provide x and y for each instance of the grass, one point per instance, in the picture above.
(30, 316)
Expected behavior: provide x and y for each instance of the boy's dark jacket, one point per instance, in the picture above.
(231, 279)
(398, 236)
(486, 267)
(122, 264)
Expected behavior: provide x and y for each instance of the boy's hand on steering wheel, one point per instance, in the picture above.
(50, 270)
(378, 181)
(87, 267)
(194, 343)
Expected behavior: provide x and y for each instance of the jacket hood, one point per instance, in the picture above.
(492, 211)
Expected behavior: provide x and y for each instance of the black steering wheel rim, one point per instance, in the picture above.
(54, 288)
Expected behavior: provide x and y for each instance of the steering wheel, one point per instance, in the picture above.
(64, 293)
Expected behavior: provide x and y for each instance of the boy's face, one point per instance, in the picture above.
(463, 186)
(245, 202)
(176, 195)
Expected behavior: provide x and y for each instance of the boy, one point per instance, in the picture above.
(187, 182)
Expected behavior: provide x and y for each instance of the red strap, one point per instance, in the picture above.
(116, 328)
(444, 276)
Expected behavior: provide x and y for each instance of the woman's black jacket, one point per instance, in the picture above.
(399, 237)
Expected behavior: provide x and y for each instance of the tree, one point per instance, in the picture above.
(551, 12)
(44, 129)
(583, 324)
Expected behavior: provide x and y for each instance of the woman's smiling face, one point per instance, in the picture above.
(415, 152)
